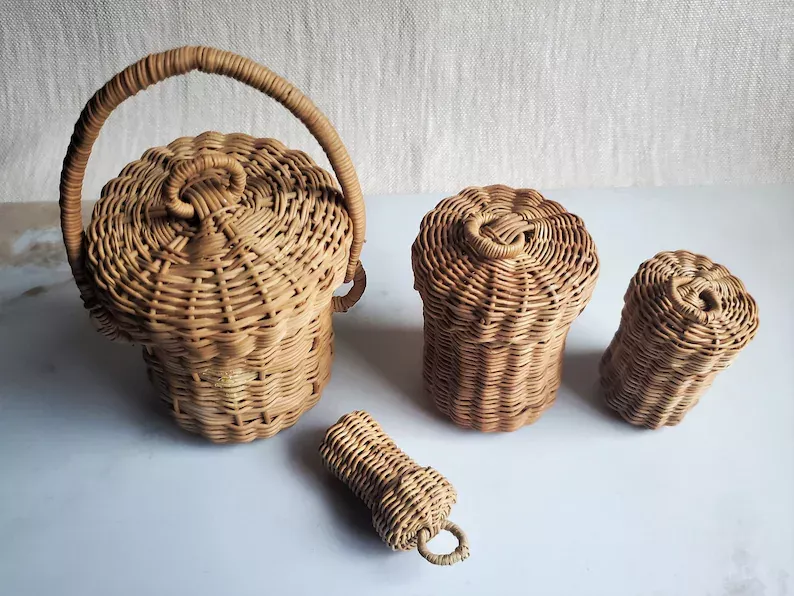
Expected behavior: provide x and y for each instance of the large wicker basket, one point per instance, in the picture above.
(502, 274)
(219, 254)
(684, 320)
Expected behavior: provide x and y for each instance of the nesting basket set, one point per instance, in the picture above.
(219, 255)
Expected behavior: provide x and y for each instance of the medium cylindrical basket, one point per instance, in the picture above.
(502, 274)
(219, 254)
(409, 503)
(684, 320)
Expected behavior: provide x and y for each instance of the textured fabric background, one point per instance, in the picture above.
(428, 95)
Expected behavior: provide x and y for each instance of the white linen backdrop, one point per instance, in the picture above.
(428, 95)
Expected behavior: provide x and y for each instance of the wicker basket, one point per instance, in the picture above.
(684, 320)
(502, 274)
(219, 254)
(410, 504)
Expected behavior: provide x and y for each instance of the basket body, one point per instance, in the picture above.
(251, 397)
(491, 386)
(684, 320)
(502, 274)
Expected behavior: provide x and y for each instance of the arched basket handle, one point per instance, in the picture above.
(157, 67)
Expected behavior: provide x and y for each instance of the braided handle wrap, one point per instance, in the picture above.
(409, 503)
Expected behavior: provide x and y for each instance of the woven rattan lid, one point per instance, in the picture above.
(224, 232)
(501, 264)
(213, 243)
(688, 301)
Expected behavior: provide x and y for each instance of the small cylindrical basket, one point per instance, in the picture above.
(409, 503)
(219, 254)
(502, 274)
(684, 320)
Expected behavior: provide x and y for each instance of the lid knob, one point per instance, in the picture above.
(695, 297)
(200, 168)
(497, 236)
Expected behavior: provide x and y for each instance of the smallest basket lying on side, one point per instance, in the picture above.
(684, 320)
(409, 503)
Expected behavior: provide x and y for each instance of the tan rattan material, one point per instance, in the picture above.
(410, 504)
(502, 274)
(684, 320)
(219, 254)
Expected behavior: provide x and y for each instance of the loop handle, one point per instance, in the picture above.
(344, 303)
(157, 67)
(456, 556)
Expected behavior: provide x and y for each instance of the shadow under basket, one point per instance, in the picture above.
(239, 400)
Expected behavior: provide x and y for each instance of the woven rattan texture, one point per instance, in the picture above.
(684, 320)
(220, 255)
(502, 274)
(410, 504)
